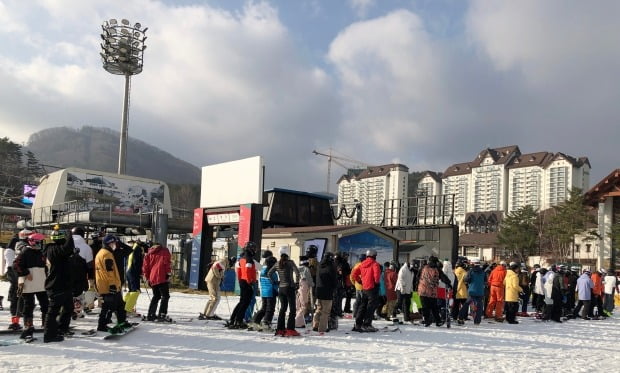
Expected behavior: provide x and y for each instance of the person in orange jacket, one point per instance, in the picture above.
(496, 293)
(597, 294)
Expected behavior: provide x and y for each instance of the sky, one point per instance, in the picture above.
(425, 83)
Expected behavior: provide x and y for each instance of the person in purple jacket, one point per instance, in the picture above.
(584, 288)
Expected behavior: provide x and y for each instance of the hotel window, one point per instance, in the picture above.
(588, 248)
(577, 247)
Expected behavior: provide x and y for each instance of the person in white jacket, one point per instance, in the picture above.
(404, 285)
(611, 287)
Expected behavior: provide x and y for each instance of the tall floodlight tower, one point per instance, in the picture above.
(122, 52)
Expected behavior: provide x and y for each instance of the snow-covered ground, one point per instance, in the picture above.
(531, 346)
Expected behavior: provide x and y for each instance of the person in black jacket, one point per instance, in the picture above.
(59, 287)
(326, 284)
(134, 274)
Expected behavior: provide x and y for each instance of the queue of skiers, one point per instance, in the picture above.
(66, 276)
(423, 291)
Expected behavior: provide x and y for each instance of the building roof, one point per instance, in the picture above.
(374, 171)
(298, 192)
(541, 159)
(500, 155)
(457, 169)
(479, 239)
(343, 230)
(608, 187)
(435, 175)
(576, 162)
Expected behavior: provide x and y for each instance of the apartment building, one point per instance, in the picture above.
(502, 180)
(372, 187)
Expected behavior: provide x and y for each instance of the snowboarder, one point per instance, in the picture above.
(59, 286)
(286, 292)
(157, 269)
(133, 275)
(108, 284)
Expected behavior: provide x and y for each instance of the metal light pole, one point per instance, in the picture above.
(122, 53)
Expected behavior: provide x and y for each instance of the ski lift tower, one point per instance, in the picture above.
(122, 53)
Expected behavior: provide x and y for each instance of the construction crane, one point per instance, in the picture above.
(337, 160)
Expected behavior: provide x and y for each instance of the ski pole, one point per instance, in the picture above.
(146, 288)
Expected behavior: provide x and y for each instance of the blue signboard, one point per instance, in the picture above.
(194, 267)
(357, 244)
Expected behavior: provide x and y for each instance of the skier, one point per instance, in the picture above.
(246, 275)
(584, 290)
(611, 287)
(286, 292)
(476, 280)
(157, 269)
(597, 294)
(349, 290)
(368, 273)
(133, 275)
(326, 283)
(537, 290)
(31, 269)
(430, 276)
(513, 289)
(269, 292)
(496, 294)
(59, 286)
(214, 280)
(303, 293)
(404, 284)
(108, 284)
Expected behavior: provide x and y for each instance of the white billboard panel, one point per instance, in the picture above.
(232, 183)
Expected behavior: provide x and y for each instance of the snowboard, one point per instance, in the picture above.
(110, 336)
(82, 333)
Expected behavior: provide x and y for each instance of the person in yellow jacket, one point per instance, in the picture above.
(511, 298)
(358, 285)
(461, 289)
(108, 283)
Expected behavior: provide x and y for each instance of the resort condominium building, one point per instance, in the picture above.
(502, 180)
(373, 187)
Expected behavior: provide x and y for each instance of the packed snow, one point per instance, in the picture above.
(531, 346)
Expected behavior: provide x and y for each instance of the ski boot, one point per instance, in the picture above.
(28, 331)
(164, 318)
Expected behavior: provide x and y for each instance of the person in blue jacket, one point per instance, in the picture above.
(269, 292)
(475, 279)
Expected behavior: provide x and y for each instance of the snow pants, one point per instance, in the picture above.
(585, 311)
(245, 296)
(61, 304)
(29, 304)
(430, 307)
(496, 302)
(160, 292)
(475, 302)
(214, 298)
(267, 309)
(287, 300)
(608, 305)
(303, 297)
(112, 303)
(367, 307)
(511, 311)
(321, 314)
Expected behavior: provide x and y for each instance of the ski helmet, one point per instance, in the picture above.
(78, 231)
(312, 251)
(108, 239)
(371, 252)
(24, 233)
(35, 238)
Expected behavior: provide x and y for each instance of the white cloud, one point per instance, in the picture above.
(361, 7)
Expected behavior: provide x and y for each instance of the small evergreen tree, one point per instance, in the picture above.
(519, 232)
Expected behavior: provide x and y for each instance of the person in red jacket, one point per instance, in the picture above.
(156, 269)
(496, 292)
(369, 275)
(390, 290)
